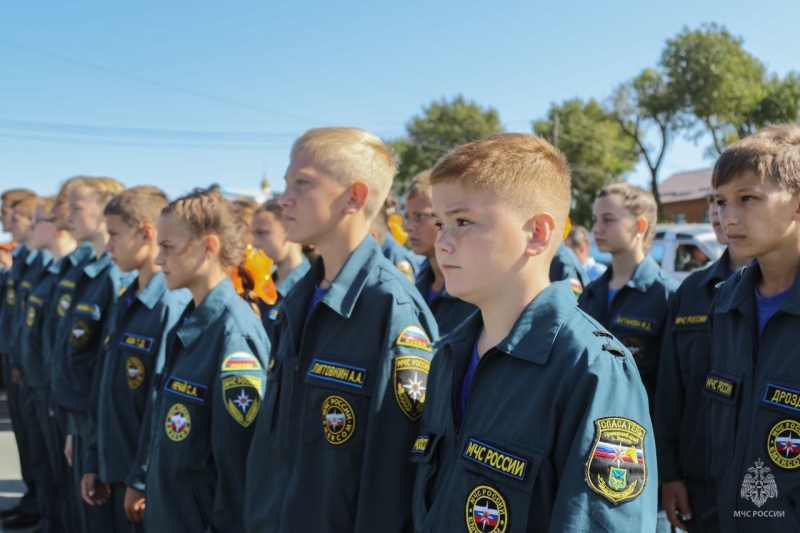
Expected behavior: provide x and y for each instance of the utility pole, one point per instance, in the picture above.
(554, 132)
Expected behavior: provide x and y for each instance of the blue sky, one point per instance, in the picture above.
(182, 94)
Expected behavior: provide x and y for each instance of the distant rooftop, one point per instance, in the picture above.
(685, 186)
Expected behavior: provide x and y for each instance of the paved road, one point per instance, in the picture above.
(11, 486)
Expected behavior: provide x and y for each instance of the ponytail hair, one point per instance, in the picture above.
(206, 212)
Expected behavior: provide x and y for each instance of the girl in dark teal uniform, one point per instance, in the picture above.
(630, 298)
(269, 235)
(212, 383)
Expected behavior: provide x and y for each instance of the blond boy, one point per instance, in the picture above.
(346, 380)
(536, 418)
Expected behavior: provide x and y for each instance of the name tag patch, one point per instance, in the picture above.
(720, 386)
(338, 373)
(496, 459)
(89, 309)
(782, 397)
(691, 320)
(186, 389)
(421, 444)
(634, 323)
(129, 340)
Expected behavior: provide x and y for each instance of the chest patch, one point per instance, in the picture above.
(187, 389)
(632, 322)
(782, 397)
(338, 373)
(486, 511)
(179, 423)
(497, 459)
(137, 342)
(338, 420)
(783, 444)
(720, 386)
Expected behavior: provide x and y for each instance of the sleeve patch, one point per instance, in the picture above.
(242, 396)
(240, 361)
(414, 337)
(616, 467)
(410, 383)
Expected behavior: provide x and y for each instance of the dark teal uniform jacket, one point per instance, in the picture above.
(680, 423)
(566, 266)
(753, 393)
(31, 339)
(345, 390)
(269, 313)
(56, 319)
(8, 322)
(449, 311)
(400, 256)
(36, 263)
(555, 435)
(208, 396)
(134, 353)
(637, 316)
(95, 295)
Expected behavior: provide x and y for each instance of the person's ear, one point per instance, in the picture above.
(540, 229)
(359, 192)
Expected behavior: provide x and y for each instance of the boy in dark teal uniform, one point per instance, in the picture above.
(269, 235)
(133, 349)
(536, 418)
(449, 311)
(25, 514)
(680, 426)
(347, 378)
(211, 387)
(753, 386)
(80, 340)
(567, 266)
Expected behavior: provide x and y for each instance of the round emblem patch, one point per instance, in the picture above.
(11, 296)
(63, 304)
(31, 317)
(486, 511)
(134, 372)
(338, 420)
(635, 345)
(179, 423)
(81, 334)
(783, 444)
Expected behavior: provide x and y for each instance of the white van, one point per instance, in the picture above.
(680, 249)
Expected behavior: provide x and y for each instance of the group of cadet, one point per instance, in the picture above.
(161, 378)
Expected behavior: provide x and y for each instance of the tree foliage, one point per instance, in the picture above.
(597, 149)
(724, 88)
(442, 126)
(649, 114)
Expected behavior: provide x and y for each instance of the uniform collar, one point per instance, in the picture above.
(95, 268)
(20, 249)
(292, 278)
(80, 254)
(642, 279)
(534, 332)
(739, 292)
(31, 257)
(152, 292)
(425, 279)
(715, 272)
(349, 282)
(208, 311)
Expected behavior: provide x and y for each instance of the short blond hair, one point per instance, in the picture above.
(771, 154)
(525, 171)
(638, 201)
(47, 203)
(420, 184)
(103, 188)
(138, 205)
(351, 155)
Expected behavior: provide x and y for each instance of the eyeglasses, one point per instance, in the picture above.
(36, 220)
(417, 218)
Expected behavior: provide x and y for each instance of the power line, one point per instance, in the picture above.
(148, 81)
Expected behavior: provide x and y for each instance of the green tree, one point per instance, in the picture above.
(442, 126)
(596, 147)
(649, 114)
(724, 88)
